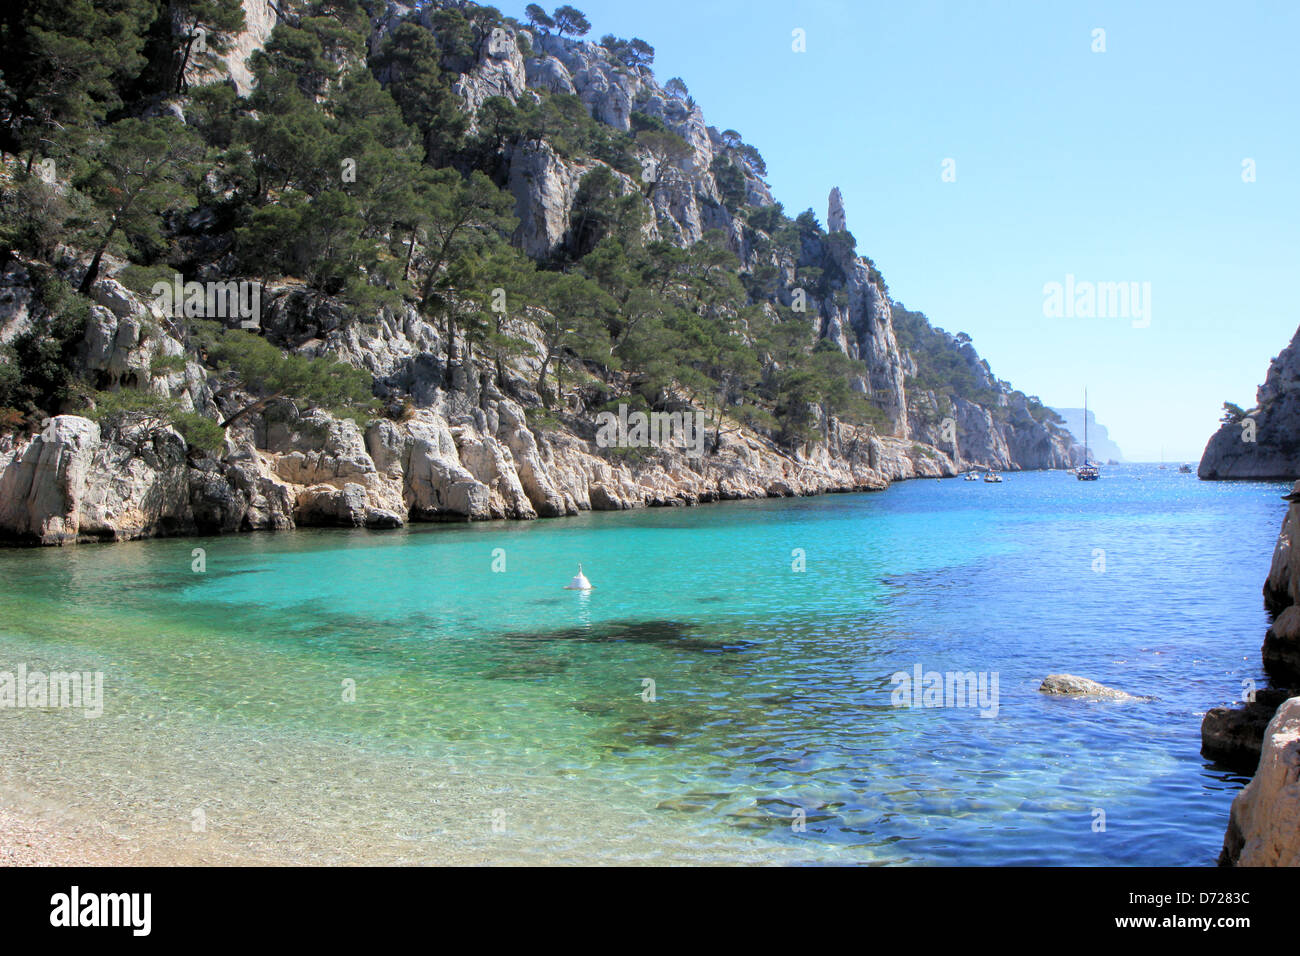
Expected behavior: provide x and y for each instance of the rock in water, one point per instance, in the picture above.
(1264, 828)
(1234, 736)
(835, 212)
(1068, 685)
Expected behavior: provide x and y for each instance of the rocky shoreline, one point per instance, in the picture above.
(1262, 737)
(447, 451)
(71, 484)
(1259, 738)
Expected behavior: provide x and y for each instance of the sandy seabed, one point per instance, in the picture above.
(31, 835)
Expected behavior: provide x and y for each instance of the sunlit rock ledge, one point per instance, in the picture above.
(287, 468)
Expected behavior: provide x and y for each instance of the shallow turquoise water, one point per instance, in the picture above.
(498, 697)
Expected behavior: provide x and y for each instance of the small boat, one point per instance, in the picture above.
(1088, 471)
(993, 478)
(1184, 469)
(971, 476)
(579, 582)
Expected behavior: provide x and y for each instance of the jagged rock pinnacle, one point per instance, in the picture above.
(835, 212)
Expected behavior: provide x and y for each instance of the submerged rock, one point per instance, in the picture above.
(1264, 826)
(1068, 685)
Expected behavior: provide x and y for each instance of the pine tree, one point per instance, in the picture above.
(206, 30)
(141, 170)
(259, 367)
(570, 19)
(539, 18)
(65, 64)
(575, 325)
(410, 64)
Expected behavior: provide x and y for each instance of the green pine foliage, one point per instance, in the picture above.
(139, 418)
(355, 173)
(940, 367)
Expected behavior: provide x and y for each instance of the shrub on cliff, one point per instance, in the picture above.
(38, 368)
(137, 418)
(266, 372)
(1232, 413)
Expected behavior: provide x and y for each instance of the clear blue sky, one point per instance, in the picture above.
(1117, 166)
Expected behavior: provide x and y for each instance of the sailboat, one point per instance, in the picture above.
(1088, 471)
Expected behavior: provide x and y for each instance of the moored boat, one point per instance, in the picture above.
(1088, 471)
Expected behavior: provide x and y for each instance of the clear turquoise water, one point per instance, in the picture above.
(484, 696)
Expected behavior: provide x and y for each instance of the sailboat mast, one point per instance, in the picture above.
(1085, 426)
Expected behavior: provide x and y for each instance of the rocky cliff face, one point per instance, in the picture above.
(464, 450)
(1004, 434)
(467, 453)
(260, 18)
(1265, 444)
(292, 468)
(686, 202)
(1263, 736)
(1007, 436)
(1264, 827)
(1282, 595)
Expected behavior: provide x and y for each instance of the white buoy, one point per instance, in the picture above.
(579, 582)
